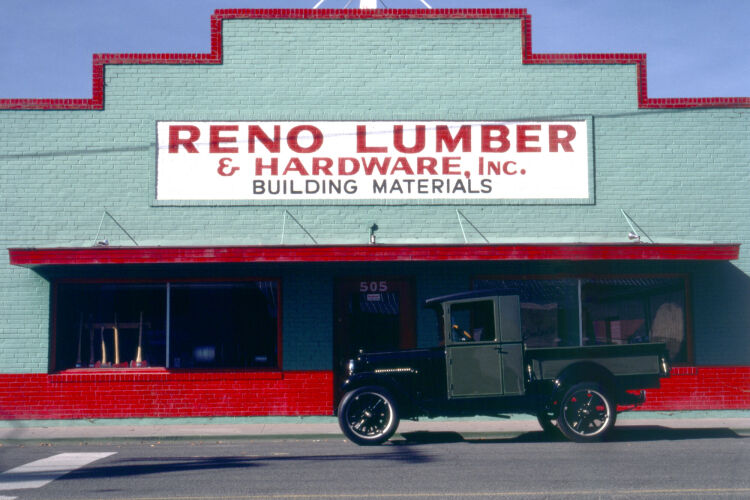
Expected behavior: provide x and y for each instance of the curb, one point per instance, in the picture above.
(327, 428)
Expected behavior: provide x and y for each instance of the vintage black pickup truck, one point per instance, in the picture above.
(483, 367)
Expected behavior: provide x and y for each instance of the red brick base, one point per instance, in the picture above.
(702, 388)
(162, 393)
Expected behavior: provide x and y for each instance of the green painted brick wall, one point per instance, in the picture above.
(682, 175)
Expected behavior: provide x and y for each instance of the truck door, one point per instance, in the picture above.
(480, 360)
(511, 345)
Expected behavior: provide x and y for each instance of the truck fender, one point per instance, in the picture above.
(585, 371)
(387, 382)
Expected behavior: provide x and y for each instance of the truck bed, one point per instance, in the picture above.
(631, 360)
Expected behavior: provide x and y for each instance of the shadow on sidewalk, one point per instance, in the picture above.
(134, 467)
(619, 434)
(8, 433)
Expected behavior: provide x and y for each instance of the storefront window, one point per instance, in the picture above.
(612, 311)
(123, 325)
(224, 325)
(632, 311)
(549, 309)
(110, 325)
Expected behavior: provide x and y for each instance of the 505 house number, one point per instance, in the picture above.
(373, 286)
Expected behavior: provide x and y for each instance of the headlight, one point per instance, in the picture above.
(350, 366)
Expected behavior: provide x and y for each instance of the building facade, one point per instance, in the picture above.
(214, 234)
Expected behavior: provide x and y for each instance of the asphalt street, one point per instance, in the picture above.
(638, 462)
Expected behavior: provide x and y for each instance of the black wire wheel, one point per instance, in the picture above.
(368, 415)
(587, 413)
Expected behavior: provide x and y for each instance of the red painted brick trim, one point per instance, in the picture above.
(702, 388)
(371, 253)
(96, 102)
(163, 393)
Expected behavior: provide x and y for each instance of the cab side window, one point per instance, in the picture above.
(473, 321)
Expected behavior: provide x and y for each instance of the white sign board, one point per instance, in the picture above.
(380, 161)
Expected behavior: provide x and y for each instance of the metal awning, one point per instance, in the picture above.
(32, 257)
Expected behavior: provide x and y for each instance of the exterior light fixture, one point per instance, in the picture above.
(373, 228)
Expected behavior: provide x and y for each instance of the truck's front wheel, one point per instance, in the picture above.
(548, 420)
(587, 413)
(368, 415)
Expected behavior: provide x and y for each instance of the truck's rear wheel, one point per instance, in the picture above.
(368, 415)
(587, 413)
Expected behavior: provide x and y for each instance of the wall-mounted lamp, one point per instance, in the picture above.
(373, 228)
(634, 237)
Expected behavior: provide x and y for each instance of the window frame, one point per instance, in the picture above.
(448, 332)
(685, 277)
(53, 338)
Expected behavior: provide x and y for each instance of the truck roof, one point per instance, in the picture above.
(471, 294)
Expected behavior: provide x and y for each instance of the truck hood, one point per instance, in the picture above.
(406, 359)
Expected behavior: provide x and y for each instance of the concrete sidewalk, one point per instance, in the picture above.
(327, 427)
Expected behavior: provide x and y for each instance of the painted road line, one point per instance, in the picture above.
(37, 474)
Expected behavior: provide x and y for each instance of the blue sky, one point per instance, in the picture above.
(695, 48)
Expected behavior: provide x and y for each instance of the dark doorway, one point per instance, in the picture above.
(373, 314)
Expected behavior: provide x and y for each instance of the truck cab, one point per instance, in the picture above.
(483, 346)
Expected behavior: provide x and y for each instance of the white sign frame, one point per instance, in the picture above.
(429, 176)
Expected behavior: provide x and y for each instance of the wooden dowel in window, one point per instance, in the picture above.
(80, 334)
(138, 359)
(91, 345)
(104, 347)
(117, 343)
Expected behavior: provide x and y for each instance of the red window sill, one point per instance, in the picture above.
(162, 374)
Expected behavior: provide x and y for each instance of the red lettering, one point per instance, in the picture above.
(426, 163)
(188, 143)
(216, 139)
(225, 169)
(375, 163)
(292, 139)
(273, 166)
(523, 138)
(345, 171)
(398, 139)
(403, 165)
(362, 146)
(448, 166)
(272, 145)
(295, 165)
(322, 165)
(443, 137)
(492, 134)
(555, 140)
